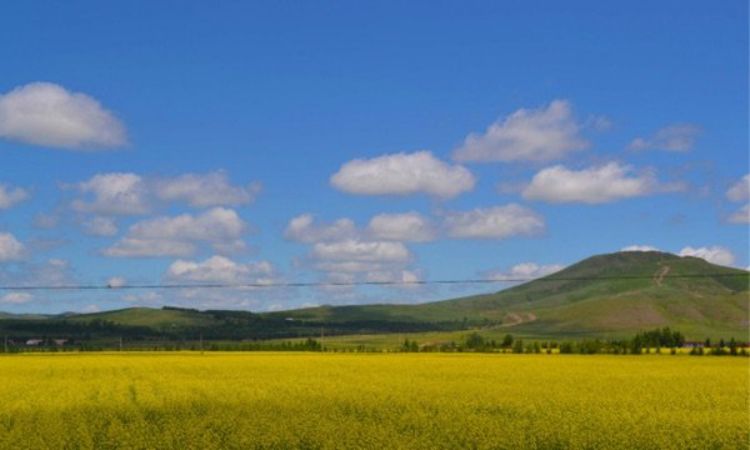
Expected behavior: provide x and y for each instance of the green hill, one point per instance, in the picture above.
(610, 295)
(606, 295)
(150, 317)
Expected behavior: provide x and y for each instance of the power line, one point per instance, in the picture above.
(97, 287)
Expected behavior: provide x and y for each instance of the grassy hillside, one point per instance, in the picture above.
(150, 317)
(614, 295)
(608, 295)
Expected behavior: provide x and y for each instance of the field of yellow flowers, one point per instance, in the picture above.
(411, 401)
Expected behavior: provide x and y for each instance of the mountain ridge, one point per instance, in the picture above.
(603, 295)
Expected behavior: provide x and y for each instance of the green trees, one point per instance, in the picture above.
(657, 338)
(733, 347)
(507, 341)
(566, 348)
(476, 342)
(410, 346)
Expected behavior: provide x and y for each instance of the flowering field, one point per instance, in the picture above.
(411, 401)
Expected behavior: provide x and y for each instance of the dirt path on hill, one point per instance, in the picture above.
(659, 277)
(513, 319)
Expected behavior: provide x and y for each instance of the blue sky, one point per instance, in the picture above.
(156, 142)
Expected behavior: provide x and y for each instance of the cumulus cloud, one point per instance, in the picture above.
(361, 251)
(741, 216)
(113, 194)
(10, 196)
(16, 298)
(204, 190)
(377, 252)
(129, 247)
(100, 226)
(674, 138)
(47, 114)
(537, 135)
(494, 223)
(410, 226)
(715, 254)
(10, 248)
(639, 248)
(524, 271)
(740, 191)
(304, 229)
(346, 253)
(178, 235)
(219, 269)
(53, 272)
(132, 194)
(350, 260)
(403, 174)
(116, 282)
(594, 185)
(402, 278)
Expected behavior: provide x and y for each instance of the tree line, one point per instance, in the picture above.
(654, 341)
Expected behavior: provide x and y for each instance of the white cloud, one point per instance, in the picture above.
(741, 216)
(602, 184)
(114, 193)
(405, 278)
(203, 190)
(10, 248)
(230, 247)
(410, 226)
(100, 226)
(116, 282)
(493, 223)
(740, 191)
(219, 269)
(525, 271)
(354, 250)
(53, 272)
(129, 247)
(16, 298)
(10, 196)
(537, 135)
(304, 229)
(639, 248)
(346, 253)
(403, 174)
(178, 235)
(338, 269)
(598, 123)
(673, 138)
(131, 194)
(715, 254)
(47, 114)
(350, 261)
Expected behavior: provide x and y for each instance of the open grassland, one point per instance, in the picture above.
(411, 401)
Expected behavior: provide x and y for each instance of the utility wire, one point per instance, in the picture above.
(97, 287)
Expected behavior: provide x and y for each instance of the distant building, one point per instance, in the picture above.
(34, 341)
(59, 341)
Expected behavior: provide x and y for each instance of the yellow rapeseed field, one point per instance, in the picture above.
(381, 401)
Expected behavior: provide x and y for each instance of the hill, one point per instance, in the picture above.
(609, 295)
(150, 317)
(606, 295)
